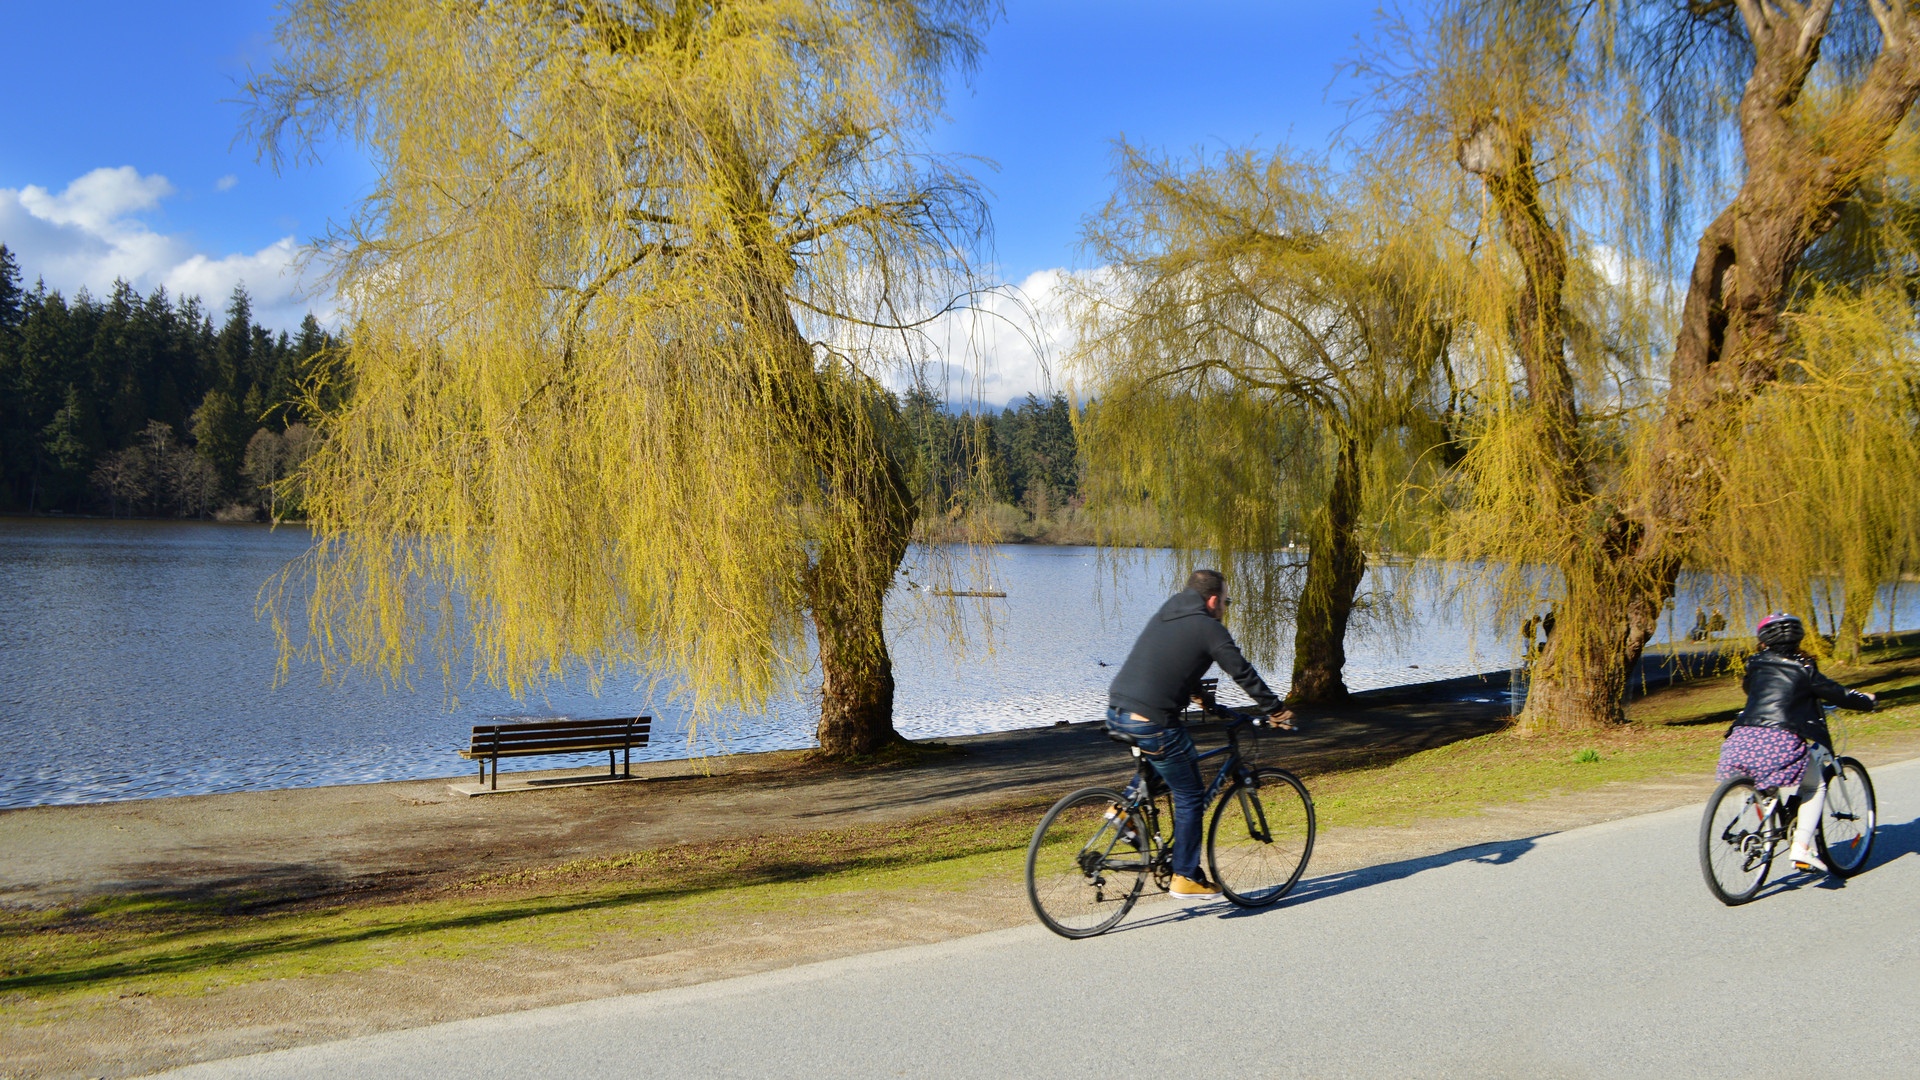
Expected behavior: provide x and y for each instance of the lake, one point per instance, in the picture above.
(132, 666)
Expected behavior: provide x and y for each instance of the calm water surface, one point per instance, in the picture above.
(132, 666)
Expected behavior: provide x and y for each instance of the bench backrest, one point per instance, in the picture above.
(559, 735)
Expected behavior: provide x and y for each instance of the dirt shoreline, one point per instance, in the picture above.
(400, 836)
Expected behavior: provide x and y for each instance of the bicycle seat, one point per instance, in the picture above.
(1120, 736)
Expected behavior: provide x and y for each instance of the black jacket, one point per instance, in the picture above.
(1180, 643)
(1782, 692)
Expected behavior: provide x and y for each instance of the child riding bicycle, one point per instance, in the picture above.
(1782, 729)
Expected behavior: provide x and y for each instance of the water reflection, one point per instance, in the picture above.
(134, 667)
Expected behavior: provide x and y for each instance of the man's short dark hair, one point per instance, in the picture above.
(1207, 582)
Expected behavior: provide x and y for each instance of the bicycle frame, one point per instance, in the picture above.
(1150, 787)
(1768, 832)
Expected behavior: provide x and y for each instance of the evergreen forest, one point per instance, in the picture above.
(1003, 476)
(147, 406)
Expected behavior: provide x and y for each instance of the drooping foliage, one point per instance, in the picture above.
(1818, 508)
(615, 310)
(1268, 345)
(1629, 378)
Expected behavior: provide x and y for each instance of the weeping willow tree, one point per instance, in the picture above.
(1822, 484)
(1266, 344)
(1591, 137)
(1820, 488)
(615, 309)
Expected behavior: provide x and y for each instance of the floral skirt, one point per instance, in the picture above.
(1774, 758)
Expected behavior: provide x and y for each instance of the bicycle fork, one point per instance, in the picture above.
(1255, 812)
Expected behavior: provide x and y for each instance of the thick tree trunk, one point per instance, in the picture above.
(1335, 567)
(1861, 589)
(1580, 682)
(848, 585)
(866, 510)
(1801, 168)
(856, 673)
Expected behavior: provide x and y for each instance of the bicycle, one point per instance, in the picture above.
(1744, 827)
(1093, 852)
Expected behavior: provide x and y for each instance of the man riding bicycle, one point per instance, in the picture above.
(1162, 673)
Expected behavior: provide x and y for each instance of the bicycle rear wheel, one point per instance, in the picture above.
(1261, 837)
(1086, 864)
(1846, 822)
(1736, 842)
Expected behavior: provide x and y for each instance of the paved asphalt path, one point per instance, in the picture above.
(1591, 953)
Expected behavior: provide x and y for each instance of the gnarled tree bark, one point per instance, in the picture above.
(1335, 566)
(1801, 168)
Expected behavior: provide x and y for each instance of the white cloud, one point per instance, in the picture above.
(98, 200)
(226, 182)
(1008, 344)
(90, 234)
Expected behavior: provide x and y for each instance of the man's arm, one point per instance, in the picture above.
(1227, 654)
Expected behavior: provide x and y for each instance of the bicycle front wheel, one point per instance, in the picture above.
(1086, 864)
(1847, 820)
(1261, 837)
(1736, 842)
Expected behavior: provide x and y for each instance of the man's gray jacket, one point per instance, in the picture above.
(1180, 643)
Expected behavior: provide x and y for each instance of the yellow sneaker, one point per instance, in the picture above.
(1186, 887)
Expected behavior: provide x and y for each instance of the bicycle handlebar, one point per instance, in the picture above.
(1243, 716)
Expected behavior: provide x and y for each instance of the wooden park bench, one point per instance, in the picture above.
(541, 735)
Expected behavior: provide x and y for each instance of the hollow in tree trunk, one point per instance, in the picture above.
(1335, 565)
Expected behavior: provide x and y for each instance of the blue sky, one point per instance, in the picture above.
(1062, 80)
(118, 153)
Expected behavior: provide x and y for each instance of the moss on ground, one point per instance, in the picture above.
(159, 943)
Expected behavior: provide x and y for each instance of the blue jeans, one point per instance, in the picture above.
(1173, 756)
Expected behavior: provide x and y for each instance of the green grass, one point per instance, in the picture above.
(1675, 732)
(186, 944)
(157, 943)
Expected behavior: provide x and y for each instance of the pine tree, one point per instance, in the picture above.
(12, 312)
(12, 299)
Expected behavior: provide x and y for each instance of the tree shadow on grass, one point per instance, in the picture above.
(1498, 853)
(162, 933)
(1899, 695)
(1724, 716)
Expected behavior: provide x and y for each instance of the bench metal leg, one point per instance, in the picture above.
(610, 772)
(496, 772)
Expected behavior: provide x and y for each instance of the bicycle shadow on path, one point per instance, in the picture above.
(1890, 844)
(1496, 853)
